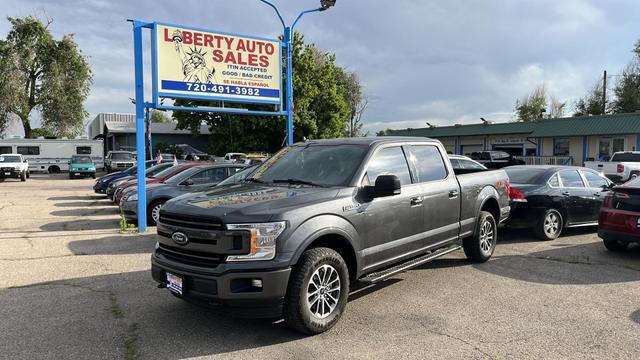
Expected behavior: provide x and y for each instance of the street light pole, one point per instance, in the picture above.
(288, 43)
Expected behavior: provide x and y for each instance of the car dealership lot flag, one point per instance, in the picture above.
(204, 64)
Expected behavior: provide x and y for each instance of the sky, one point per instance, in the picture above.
(442, 62)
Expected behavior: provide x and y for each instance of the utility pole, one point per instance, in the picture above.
(604, 93)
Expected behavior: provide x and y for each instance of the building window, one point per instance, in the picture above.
(561, 147)
(618, 144)
(83, 150)
(29, 150)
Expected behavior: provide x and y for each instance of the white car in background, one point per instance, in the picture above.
(14, 166)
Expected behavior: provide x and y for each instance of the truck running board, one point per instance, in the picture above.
(388, 272)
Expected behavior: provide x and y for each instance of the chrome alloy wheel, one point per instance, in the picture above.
(155, 212)
(551, 224)
(486, 237)
(323, 291)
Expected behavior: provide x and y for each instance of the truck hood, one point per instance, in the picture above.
(11, 164)
(247, 202)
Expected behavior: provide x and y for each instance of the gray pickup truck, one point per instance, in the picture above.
(319, 215)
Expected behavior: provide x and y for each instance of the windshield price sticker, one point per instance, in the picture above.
(204, 64)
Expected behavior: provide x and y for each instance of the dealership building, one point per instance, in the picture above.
(563, 140)
(119, 133)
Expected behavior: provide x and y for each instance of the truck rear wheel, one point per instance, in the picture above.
(480, 246)
(317, 292)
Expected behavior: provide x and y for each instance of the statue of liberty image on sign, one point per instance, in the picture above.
(194, 65)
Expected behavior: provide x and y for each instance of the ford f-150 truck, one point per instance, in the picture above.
(319, 215)
(14, 166)
(623, 166)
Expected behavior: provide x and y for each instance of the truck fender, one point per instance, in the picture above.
(486, 194)
(318, 226)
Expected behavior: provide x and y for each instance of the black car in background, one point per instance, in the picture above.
(550, 198)
(495, 159)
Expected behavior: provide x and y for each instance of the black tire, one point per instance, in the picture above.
(150, 210)
(615, 245)
(54, 169)
(550, 225)
(23, 176)
(298, 313)
(70, 176)
(28, 174)
(93, 176)
(480, 246)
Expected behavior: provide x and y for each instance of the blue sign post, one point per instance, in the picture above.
(198, 77)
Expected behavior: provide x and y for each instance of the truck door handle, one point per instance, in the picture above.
(596, 194)
(566, 193)
(416, 201)
(453, 194)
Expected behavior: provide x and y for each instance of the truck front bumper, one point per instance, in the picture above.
(234, 291)
(9, 173)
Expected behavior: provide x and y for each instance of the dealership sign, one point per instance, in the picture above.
(210, 65)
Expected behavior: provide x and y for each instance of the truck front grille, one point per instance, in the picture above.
(190, 222)
(189, 257)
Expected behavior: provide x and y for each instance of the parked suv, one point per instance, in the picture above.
(319, 215)
(119, 160)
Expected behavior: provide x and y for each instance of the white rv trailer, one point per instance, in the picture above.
(53, 155)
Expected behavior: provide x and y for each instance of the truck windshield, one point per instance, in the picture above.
(9, 159)
(121, 156)
(628, 157)
(325, 165)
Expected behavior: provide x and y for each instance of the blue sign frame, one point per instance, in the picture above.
(141, 105)
(154, 64)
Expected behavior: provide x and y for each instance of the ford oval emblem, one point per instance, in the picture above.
(180, 238)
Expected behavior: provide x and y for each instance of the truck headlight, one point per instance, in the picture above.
(263, 240)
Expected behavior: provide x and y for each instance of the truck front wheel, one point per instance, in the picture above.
(480, 246)
(317, 292)
(23, 176)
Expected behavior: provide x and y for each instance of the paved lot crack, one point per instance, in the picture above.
(580, 260)
(468, 343)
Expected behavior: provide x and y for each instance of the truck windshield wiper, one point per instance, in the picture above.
(296, 182)
(254, 180)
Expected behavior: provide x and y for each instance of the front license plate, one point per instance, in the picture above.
(174, 283)
(7, 173)
(638, 223)
(77, 174)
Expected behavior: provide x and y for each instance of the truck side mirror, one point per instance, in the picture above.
(386, 185)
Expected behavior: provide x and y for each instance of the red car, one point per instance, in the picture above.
(158, 178)
(619, 222)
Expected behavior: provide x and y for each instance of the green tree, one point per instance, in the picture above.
(627, 90)
(321, 109)
(538, 105)
(40, 73)
(591, 104)
(356, 101)
(44, 132)
(158, 116)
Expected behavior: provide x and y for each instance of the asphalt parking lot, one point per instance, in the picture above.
(73, 286)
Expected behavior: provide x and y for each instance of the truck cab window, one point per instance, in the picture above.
(389, 161)
(429, 163)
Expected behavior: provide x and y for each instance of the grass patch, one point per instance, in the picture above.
(116, 311)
